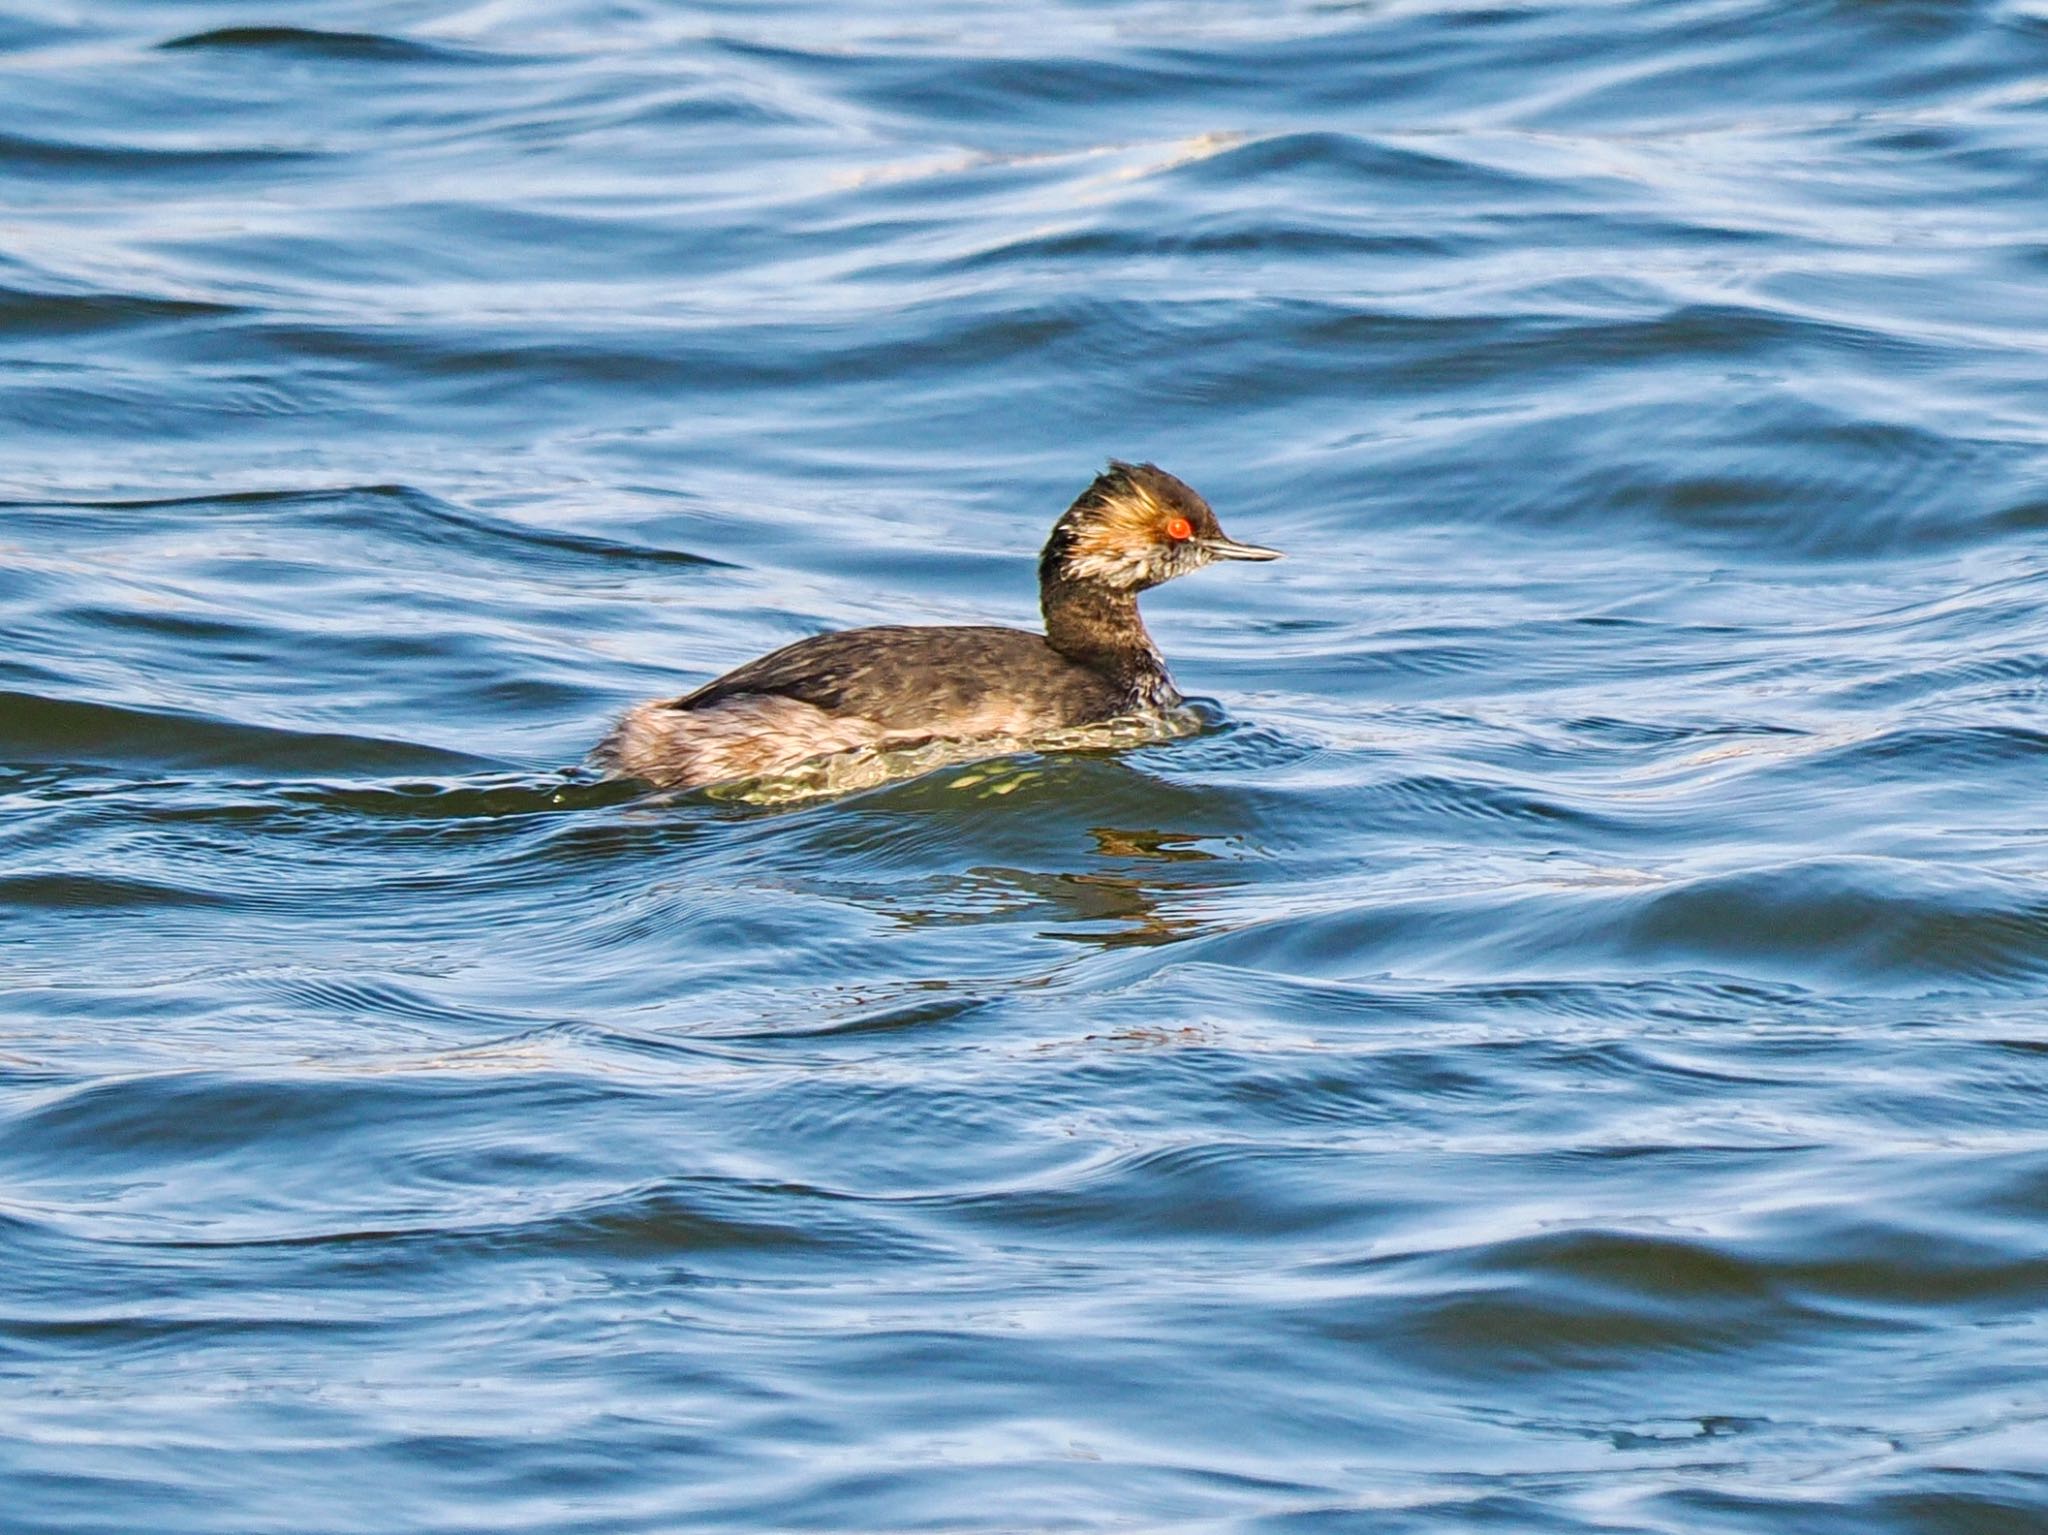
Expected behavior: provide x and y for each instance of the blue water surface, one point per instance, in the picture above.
(1564, 1052)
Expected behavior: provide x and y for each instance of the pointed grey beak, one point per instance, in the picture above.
(1231, 549)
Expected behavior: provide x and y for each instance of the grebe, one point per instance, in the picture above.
(900, 687)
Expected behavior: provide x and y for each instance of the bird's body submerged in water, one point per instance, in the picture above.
(902, 688)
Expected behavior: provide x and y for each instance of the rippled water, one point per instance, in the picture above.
(1563, 1051)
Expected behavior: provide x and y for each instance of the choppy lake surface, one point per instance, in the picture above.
(1564, 1051)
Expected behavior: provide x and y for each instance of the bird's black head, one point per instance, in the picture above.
(1135, 527)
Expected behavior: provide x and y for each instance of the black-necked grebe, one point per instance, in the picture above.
(901, 688)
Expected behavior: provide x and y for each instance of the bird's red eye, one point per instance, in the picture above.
(1180, 528)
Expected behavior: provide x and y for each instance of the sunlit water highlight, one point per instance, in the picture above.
(1561, 1049)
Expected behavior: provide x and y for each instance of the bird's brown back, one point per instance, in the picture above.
(940, 680)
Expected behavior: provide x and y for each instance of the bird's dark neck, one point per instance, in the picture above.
(1098, 627)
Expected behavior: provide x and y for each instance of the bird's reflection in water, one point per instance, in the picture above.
(1132, 904)
(1127, 909)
